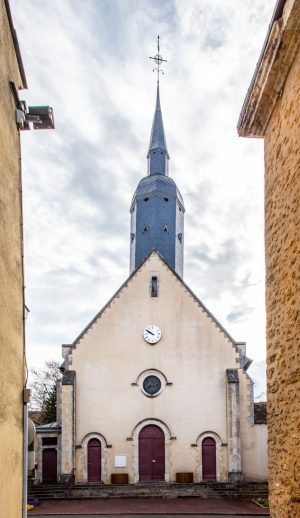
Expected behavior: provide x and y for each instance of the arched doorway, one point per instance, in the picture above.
(49, 465)
(151, 453)
(94, 460)
(209, 471)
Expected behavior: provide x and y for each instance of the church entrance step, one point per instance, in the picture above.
(150, 490)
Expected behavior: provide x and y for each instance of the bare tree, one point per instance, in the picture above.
(43, 387)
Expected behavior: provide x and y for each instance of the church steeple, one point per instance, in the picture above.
(158, 155)
(157, 209)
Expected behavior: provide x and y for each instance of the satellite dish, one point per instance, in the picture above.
(31, 432)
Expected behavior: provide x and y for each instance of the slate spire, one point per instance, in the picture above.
(157, 209)
(158, 155)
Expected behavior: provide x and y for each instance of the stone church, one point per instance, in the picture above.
(154, 387)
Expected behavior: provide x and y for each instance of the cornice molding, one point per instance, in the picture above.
(279, 52)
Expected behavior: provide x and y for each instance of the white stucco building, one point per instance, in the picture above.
(189, 390)
(154, 388)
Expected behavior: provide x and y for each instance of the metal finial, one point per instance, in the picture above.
(158, 60)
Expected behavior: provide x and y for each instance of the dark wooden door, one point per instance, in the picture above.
(209, 459)
(49, 465)
(94, 460)
(151, 453)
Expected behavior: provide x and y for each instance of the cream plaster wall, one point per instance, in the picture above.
(255, 454)
(253, 437)
(12, 369)
(193, 354)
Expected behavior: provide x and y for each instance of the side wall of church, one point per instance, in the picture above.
(12, 368)
(191, 360)
(254, 456)
(282, 215)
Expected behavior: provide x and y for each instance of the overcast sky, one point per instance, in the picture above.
(89, 60)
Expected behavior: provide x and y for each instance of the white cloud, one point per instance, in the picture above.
(89, 60)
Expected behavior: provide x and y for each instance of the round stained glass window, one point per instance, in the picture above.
(152, 385)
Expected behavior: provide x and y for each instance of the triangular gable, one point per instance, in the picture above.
(117, 293)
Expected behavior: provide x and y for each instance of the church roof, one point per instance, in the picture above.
(158, 139)
(49, 427)
(219, 325)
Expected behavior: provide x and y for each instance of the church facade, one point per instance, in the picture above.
(154, 386)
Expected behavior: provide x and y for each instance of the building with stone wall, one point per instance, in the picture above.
(272, 111)
(12, 364)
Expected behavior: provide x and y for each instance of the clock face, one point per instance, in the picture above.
(152, 385)
(152, 334)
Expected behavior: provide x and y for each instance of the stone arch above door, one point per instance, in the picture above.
(94, 435)
(135, 446)
(218, 441)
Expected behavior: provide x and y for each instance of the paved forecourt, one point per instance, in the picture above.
(153, 506)
(148, 515)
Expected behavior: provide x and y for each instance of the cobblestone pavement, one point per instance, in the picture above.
(158, 507)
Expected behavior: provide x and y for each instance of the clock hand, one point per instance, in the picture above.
(149, 332)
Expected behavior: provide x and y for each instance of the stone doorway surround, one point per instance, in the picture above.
(82, 457)
(135, 446)
(218, 442)
(47, 431)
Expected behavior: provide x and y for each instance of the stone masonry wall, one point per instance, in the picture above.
(282, 212)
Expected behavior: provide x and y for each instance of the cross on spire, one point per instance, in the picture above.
(158, 60)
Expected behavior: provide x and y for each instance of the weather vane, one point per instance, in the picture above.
(158, 60)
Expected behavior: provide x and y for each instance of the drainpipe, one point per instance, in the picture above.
(27, 393)
(26, 400)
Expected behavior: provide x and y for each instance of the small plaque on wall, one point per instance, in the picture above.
(120, 461)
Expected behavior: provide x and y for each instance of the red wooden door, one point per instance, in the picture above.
(151, 453)
(94, 460)
(49, 465)
(209, 459)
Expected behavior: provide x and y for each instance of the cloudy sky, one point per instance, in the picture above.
(89, 60)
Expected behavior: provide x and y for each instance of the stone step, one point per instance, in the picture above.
(150, 490)
(152, 486)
